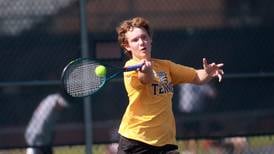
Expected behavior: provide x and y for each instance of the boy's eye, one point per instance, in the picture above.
(143, 37)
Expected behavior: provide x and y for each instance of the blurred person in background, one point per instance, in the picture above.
(148, 124)
(195, 98)
(228, 145)
(112, 148)
(39, 134)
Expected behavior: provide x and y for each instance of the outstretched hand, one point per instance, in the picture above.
(213, 70)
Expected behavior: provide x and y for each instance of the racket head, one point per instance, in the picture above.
(79, 78)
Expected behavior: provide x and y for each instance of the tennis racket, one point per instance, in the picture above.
(80, 80)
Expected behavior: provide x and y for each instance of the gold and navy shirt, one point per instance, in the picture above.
(149, 117)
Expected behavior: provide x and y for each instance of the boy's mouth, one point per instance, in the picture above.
(143, 49)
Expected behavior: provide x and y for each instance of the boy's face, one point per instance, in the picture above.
(139, 43)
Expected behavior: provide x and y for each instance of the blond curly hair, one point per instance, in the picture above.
(126, 26)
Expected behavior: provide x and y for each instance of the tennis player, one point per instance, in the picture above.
(39, 133)
(148, 124)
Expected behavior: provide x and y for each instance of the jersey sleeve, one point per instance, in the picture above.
(181, 74)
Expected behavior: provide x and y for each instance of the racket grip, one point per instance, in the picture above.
(133, 68)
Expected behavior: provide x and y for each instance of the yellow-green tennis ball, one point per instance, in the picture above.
(100, 71)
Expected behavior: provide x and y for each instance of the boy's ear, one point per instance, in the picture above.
(127, 47)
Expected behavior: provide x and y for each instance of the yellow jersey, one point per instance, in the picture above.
(148, 117)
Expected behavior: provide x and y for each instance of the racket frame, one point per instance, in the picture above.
(106, 78)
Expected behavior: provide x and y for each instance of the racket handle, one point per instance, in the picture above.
(133, 68)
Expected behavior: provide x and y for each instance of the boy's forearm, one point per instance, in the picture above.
(145, 78)
(202, 77)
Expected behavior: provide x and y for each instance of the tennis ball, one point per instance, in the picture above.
(100, 71)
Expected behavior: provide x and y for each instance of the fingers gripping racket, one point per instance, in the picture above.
(79, 78)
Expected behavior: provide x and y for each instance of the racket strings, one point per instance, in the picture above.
(81, 80)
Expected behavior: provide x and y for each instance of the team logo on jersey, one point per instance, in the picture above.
(163, 85)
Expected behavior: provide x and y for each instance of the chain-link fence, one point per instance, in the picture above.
(38, 38)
